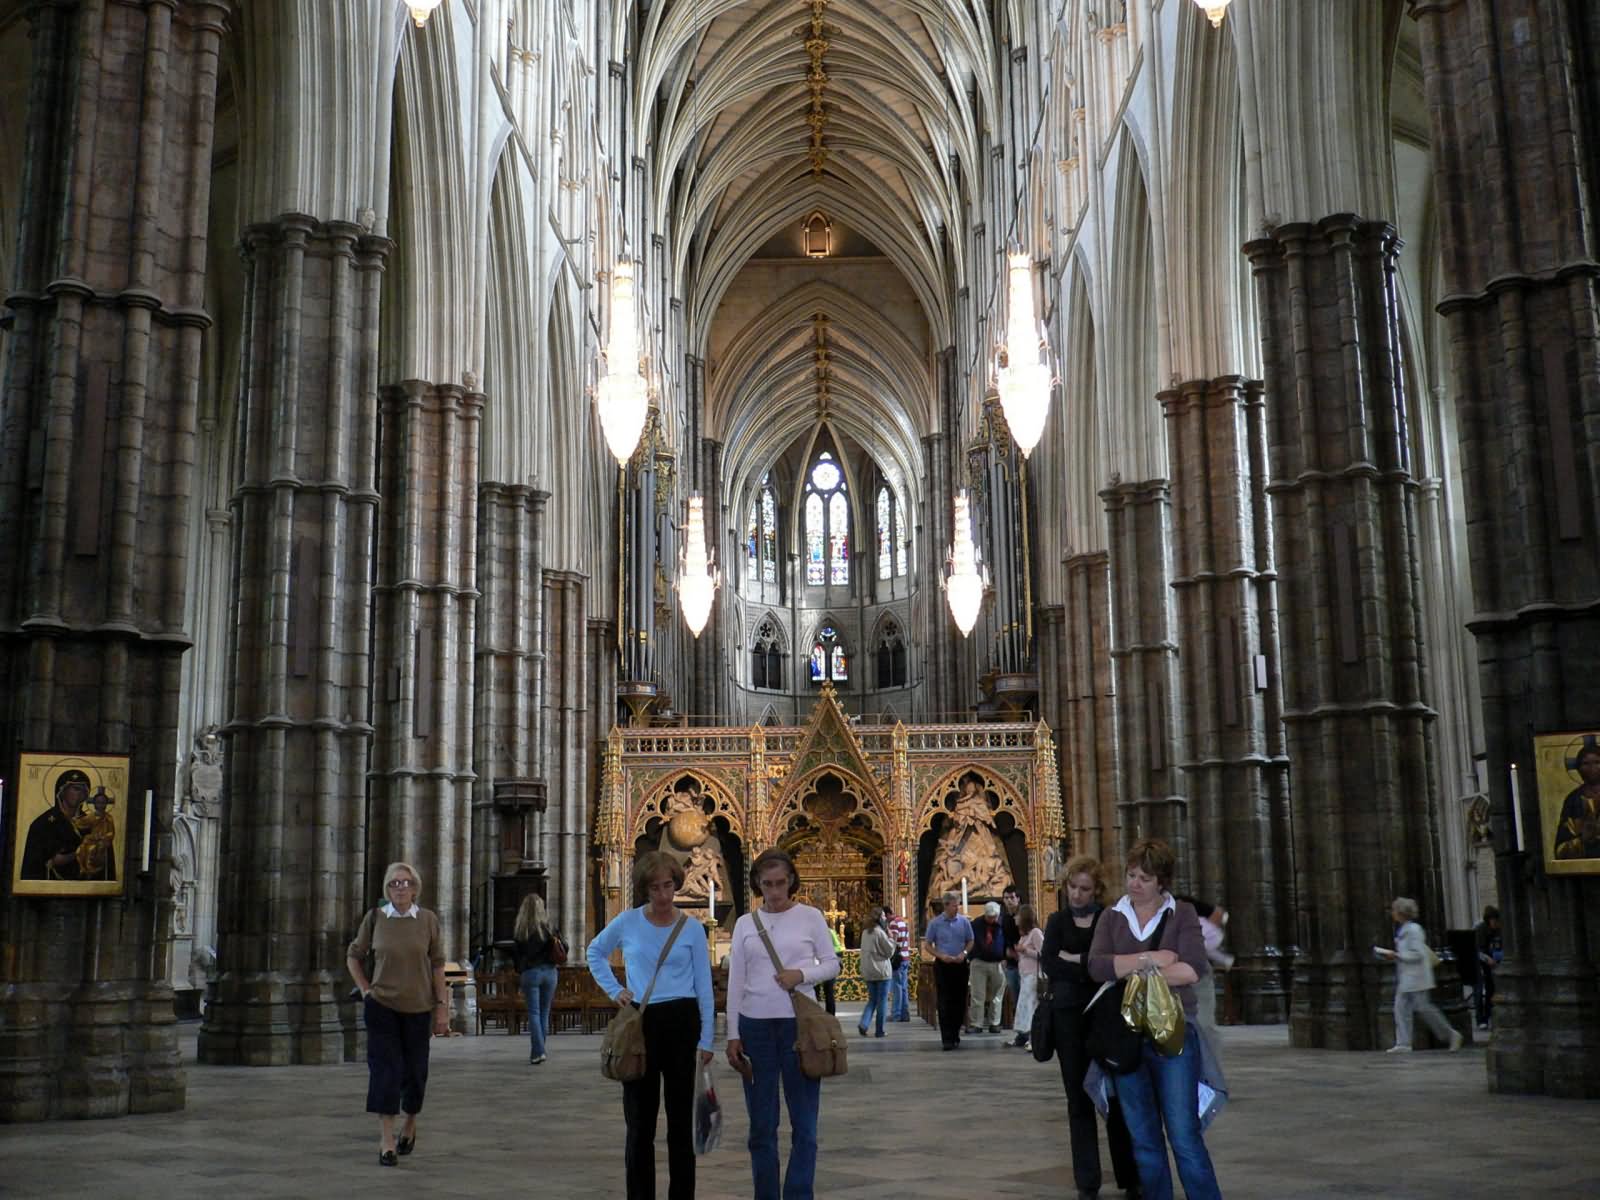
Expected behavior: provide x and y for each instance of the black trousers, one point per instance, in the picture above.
(397, 1059)
(671, 1041)
(1071, 1029)
(950, 987)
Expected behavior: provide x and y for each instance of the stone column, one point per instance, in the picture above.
(1344, 530)
(304, 512)
(1088, 730)
(1144, 660)
(938, 668)
(509, 673)
(425, 600)
(566, 728)
(1519, 251)
(97, 453)
(1224, 588)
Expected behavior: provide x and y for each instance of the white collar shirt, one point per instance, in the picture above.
(1143, 932)
(389, 910)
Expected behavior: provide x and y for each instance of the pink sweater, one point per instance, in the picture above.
(800, 936)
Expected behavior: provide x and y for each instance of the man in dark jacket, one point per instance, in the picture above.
(988, 976)
(1010, 903)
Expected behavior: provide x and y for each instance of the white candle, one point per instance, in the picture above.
(713, 899)
(902, 908)
(1516, 807)
(149, 807)
(963, 893)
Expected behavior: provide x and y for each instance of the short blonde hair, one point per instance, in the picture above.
(1084, 864)
(394, 869)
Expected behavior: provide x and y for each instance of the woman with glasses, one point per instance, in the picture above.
(406, 985)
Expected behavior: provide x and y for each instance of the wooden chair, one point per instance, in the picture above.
(499, 1001)
(567, 1010)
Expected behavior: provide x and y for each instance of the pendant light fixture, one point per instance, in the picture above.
(1214, 9)
(1024, 381)
(697, 578)
(621, 395)
(964, 585)
(421, 10)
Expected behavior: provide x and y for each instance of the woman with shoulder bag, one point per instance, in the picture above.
(537, 953)
(762, 1026)
(877, 970)
(1160, 1092)
(1064, 960)
(404, 1004)
(678, 1020)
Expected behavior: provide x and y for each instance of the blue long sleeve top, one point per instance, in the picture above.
(686, 973)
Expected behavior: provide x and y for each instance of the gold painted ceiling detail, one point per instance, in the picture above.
(822, 359)
(816, 43)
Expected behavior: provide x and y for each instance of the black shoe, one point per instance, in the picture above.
(862, 1030)
(406, 1145)
(387, 1158)
(880, 1033)
(947, 1045)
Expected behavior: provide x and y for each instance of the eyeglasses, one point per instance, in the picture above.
(401, 883)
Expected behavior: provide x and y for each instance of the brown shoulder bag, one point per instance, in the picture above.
(622, 1053)
(818, 1040)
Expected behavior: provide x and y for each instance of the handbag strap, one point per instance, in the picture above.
(672, 937)
(766, 939)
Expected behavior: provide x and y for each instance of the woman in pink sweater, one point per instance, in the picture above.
(761, 1024)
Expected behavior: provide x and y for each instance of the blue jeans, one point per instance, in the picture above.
(1164, 1091)
(769, 1044)
(877, 1002)
(539, 990)
(901, 991)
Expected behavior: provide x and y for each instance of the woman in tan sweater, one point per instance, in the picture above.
(407, 985)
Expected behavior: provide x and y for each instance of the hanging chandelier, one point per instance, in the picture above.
(1024, 381)
(964, 585)
(1213, 9)
(621, 395)
(697, 578)
(421, 10)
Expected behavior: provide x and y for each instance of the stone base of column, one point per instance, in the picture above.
(106, 1050)
(269, 1019)
(1544, 1042)
(1261, 986)
(1336, 1005)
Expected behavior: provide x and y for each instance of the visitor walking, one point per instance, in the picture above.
(1413, 979)
(988, 978)
(1028, 947)
(534, 953)
(900, 990)
(877, 949)
(947, 943)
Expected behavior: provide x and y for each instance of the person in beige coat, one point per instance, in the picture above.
(1414, 979)
(877, 969)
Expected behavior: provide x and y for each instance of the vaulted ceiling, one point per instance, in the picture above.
(762, 111)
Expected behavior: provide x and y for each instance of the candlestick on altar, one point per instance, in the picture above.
(149, 808)
(963, 895)
(1516, 808)
(712, 903)
(902, 908)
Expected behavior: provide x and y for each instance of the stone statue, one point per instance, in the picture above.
(705, 865)
(970, 848)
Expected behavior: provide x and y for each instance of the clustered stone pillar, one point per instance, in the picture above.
(96, 472)
(565, 725)
(1088, 728)
(1144, 659)
(1519, 258)
(299, 734)
(426, 596)
(938, 630)
(1224, 584)
(509, 675)
(1344, 531)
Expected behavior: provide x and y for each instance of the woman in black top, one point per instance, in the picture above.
(536, 967)
(1063, 959)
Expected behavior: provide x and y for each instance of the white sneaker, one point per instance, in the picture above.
(1456, 1040)
(1398, 1050)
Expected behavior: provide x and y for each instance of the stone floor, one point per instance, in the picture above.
(908, 1121)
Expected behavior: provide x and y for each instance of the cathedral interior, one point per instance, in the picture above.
(937, 437)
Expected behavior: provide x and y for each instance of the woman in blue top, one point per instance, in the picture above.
(678, 1019)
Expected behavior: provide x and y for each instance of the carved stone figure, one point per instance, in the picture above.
(970, 848)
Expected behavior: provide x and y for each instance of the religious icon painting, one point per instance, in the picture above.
(1567, 769)
(70, 825)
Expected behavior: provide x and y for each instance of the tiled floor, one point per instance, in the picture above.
(908, 1121)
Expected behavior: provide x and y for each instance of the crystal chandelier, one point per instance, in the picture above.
(421, 10)
(963, 586)
(1024, 381)
(1214, 10)
(621, 395)
(697, 578)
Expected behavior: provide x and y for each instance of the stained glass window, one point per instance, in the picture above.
(902, 537)
(839, 671)
(819, 663)
(885, 536)
(814, 572)
(752, 538)
(769, 536)
(828, 657)
(827, 524)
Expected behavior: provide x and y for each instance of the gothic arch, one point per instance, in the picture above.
(870, 802)
(658, 791)
(931, 803)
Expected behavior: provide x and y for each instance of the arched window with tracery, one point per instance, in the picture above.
(829, 661)
(891, 656)
(766, 657)
(891, 535)
(761, 536)
(827, 512)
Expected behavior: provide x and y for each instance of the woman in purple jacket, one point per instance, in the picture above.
(1161, 1091)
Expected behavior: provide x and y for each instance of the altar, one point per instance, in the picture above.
(887, 815)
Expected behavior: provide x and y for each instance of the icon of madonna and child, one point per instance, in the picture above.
(970, 848)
